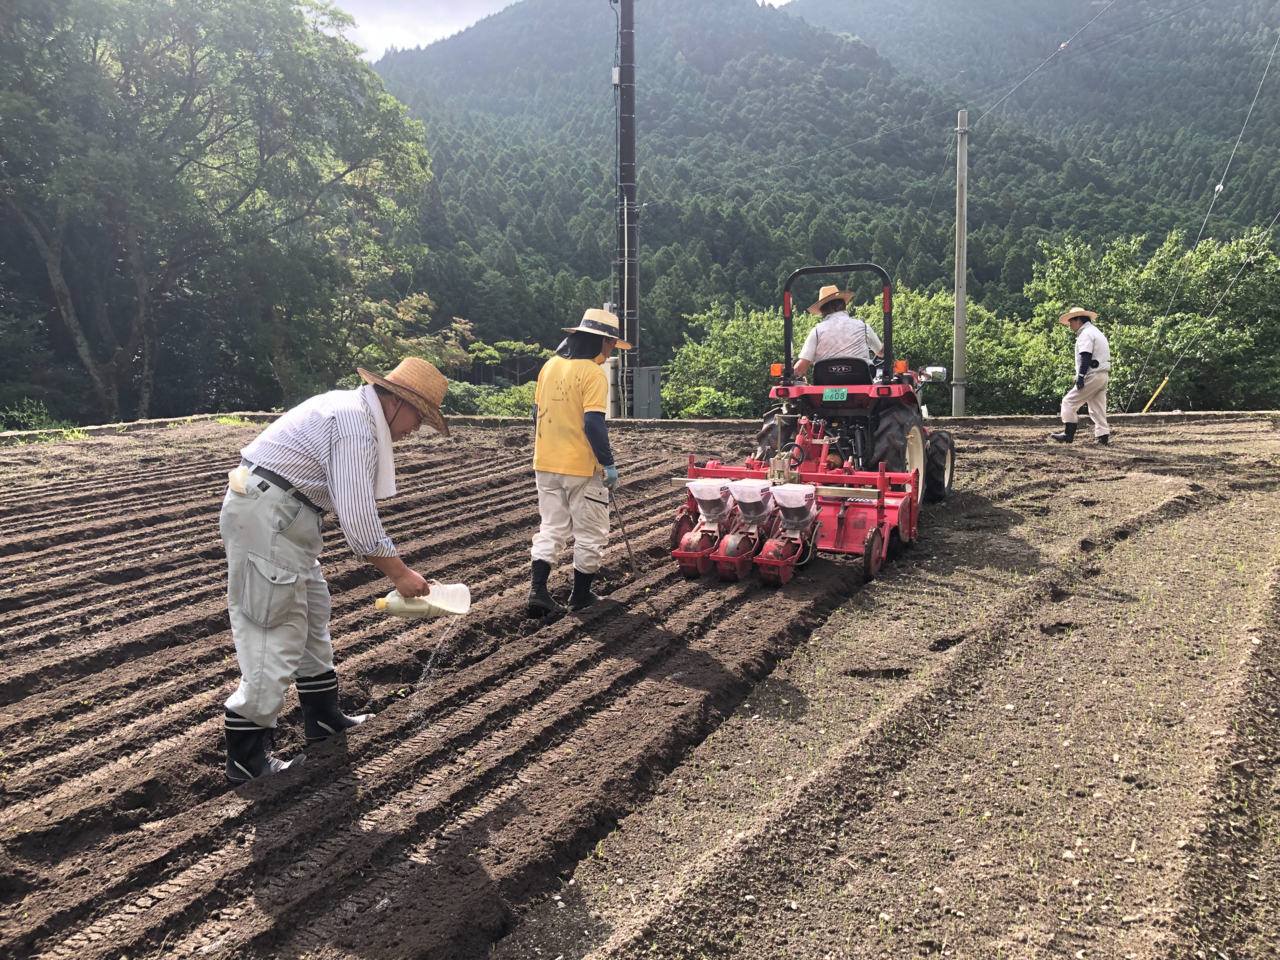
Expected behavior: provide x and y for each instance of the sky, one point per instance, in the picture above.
(411, 23)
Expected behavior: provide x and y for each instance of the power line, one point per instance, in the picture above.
(1046, 60)
(1217, 192)
(1104, 40)
(946, 162)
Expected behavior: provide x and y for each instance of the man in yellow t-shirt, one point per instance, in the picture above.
(572, 460)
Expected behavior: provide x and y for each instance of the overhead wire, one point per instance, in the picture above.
(1046, 60)
(1217, 192)
(1085, 50)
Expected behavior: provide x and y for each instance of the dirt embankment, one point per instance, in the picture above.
(910, 778)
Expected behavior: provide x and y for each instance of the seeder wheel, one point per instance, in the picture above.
(779, 549)
(684, 522)
(733, 559)
(699, 543)
(872, 558)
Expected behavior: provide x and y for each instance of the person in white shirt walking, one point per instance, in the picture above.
(838, 335)
(1093, 366)
(332, 452)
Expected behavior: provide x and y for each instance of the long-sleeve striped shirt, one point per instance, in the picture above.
(326, 447)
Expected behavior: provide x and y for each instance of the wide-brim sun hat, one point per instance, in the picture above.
(827, 294)
(602, 323)
(419, 384)
(1075, 312)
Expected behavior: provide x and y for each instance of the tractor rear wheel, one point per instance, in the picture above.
(899, 440)
(940, 466)
(777, 430)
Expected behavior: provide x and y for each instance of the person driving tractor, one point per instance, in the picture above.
(838, 335)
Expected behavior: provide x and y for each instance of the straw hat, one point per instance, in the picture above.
(602, 323)
(419, 384)
(1075, 312)
(827, 294)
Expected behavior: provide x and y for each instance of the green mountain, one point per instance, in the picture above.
(1151, 94)
(764, 143)
(244, 235)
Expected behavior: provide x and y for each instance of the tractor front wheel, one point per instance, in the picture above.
(940, 466)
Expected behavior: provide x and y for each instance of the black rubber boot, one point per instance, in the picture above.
(1067, 435)
(582, 595)
(321, 716)
(1104, 439)
(247, 757)
(541, 602)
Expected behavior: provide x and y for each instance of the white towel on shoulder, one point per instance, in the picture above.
(384, 484)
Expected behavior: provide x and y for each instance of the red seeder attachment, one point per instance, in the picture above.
(778, 515)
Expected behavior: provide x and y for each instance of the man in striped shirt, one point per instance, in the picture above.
(330, 453)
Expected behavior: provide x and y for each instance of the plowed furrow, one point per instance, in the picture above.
(133, 544)
(112, 487)
(95, 729)
(126, 485)
(564, 792)
(65, 630)
(181, 501)
(506, 493)
(577, 667)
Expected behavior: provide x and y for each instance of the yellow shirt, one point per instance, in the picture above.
(567, 389)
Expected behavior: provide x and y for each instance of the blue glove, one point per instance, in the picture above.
(610, 476)
(1080, 381)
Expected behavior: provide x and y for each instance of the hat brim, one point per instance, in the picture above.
(430, 412)
(1070, 315)
(845, 295)
(621, 344)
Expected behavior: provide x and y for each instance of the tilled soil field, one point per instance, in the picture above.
(1048, 729)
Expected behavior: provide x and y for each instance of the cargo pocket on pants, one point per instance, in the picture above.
(270, 592)
(593, 519)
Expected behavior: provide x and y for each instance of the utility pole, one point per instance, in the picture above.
(958, 382)
(628, 259)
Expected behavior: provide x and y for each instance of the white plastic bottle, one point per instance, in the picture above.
(445, 600)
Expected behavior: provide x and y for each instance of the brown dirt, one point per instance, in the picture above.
(640, 779)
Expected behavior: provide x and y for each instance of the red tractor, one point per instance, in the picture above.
(840, 466)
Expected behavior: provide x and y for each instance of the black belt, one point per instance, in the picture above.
(283, 484)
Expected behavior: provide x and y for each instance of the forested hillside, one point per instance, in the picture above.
(202, 206)
(210, 206)
(1151, 93)
(759, 151)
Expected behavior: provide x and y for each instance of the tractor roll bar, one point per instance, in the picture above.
(788, 371)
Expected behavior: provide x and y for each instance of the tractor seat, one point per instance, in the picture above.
(842, 372)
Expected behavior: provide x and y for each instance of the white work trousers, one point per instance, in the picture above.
(575, 507)
(277, 597)
(1094, 393)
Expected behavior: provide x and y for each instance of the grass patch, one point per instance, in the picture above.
(233, 420)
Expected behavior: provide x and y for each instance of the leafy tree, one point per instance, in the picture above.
(515, 401)
(144, 142)
(726, 372)
(1175, 310)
